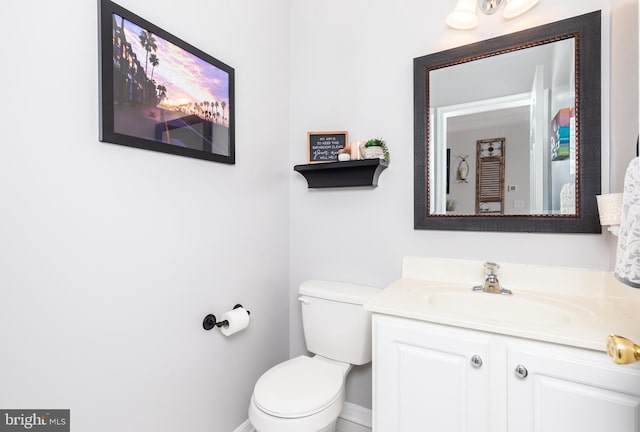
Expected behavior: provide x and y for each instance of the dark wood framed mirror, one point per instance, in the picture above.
(540, 90)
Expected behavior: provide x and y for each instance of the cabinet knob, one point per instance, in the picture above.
(521, 371)
(476, 361)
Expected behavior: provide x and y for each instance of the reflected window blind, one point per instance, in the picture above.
(490, 187)
(490, 176)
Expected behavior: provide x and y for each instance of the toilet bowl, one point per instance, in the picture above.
(306, 394)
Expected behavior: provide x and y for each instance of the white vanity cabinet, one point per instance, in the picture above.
(428, 377)
(570, 389)
(433, 377)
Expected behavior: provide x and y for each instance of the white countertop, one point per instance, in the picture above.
(572, 307)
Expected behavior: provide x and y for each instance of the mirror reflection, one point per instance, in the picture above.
(507, 132)
(502, 138)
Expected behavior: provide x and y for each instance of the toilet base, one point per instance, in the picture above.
(331, 427)
(324, 421)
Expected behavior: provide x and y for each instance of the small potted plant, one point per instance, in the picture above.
(451, 205)
(376, 148)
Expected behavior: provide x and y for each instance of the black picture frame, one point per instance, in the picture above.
(448, 169)
(186, 108)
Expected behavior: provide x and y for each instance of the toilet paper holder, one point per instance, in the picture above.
(210, 320)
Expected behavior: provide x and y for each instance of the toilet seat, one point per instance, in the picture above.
(300, 387)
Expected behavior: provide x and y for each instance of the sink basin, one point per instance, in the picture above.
(502, 309)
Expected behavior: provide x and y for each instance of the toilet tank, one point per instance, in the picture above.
(335, 324)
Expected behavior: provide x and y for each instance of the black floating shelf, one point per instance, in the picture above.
(343, 174)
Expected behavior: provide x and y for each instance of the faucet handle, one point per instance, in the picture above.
(491, 268)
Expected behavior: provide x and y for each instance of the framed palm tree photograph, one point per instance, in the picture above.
(157, 92)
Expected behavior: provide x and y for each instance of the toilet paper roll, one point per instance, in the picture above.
(238, 320)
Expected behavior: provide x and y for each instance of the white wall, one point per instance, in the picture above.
(624, 88)
(111, 256)
(624, 93)
(352, 70)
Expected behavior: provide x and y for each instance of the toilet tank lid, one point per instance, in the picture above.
(338, 291)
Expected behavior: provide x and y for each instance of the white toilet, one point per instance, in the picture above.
(306, 394)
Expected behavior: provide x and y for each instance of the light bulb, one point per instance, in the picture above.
(464, 16)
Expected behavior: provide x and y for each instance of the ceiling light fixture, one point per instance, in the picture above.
(465, 17)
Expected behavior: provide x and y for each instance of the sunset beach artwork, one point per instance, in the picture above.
(160, 93)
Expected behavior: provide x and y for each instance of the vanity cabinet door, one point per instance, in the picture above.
(429, 377)
(559, 389)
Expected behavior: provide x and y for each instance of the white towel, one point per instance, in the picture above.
(628, 251)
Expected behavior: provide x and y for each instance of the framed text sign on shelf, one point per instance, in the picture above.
(324, 146)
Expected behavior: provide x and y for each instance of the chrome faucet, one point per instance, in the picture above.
(491, 283)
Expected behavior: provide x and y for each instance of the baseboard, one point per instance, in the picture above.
(245, 427)
(356, 414)
(359, 417)
(347, 426)
(353, 418)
